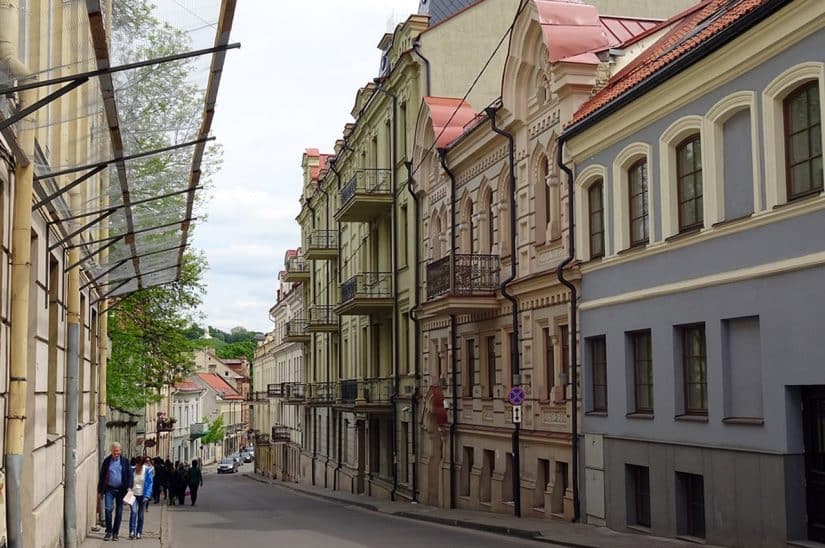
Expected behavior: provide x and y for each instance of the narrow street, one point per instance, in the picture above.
(234, 510)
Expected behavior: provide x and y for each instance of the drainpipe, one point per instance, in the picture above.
(417, 340)
(514, 345)
(574, 377)
(328, 337)
(339, 464)
(20, 272)
(417, 50)
(395, 313)
(442, 153)
(313, 345)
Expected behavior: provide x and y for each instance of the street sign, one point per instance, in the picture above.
(516, 414)
(516, 396)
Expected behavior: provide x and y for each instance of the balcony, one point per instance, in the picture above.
(297, 270)
(322, 319)
(322, 245)
(367, 196)
(275, 390)
(261, 439)
(348, 392)
(367, 293)
(374, 394)
(467, 284)
(296, 331)
(166, 424)
(197, 430)
(321, 393)
(294, 392)
(280, 434)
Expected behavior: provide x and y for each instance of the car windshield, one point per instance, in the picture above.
(227, 461)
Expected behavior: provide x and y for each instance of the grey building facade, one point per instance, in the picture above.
(701, 230)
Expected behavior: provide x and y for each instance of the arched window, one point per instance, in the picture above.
(689, 183)
(803, 141)
(544, 179)
(488, 210)
(435, 237)
(637, 199)
(595, 209)
(504, 218)
(470, 231)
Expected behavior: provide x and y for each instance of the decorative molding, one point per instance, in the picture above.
(672, 136)
(584, 179)
(620, 205)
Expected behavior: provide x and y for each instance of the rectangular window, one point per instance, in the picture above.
(404, 350)
(564, 335)
(542, 477)
(598, 366)
(690, 500)
(402, 127)
(54, 318)
(694, 366)
(469, 367)
(689, 183)
(402, 237)
(642, 352)
(491, 367)
(637, 189)
(803, 141)
(81, 362)
(93, 371)
(596, 210)
(466, 471)
(549, 362)
(638, 495)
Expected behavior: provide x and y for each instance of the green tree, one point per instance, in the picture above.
(215, 432)
(149, 348)
(236, 350)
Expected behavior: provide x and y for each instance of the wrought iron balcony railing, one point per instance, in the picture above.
(368, 285)
(280, 434)
(469, 275)
(367, 181)
(297, 265)
(348, 391)
(321, 392)
(322, 316)
(166, 424)
(294, 391)
(275, 390)
(296, 328)
(323, 239)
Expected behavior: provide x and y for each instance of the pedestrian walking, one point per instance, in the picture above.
(142, 490)
(159, 484)
(114, 481)
(150, 469)
(195, 481)
(180, 480)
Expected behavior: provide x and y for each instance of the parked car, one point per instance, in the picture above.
(228, 466)
(247, 455)
(236, 457)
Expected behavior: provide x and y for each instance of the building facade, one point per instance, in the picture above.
(189, 426)
(699, 212)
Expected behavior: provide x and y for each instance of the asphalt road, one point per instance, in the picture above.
(237, 512)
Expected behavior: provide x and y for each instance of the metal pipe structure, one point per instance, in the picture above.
(442, 152)
(417, 50)
(20, 273)
(71, 420)
(515, 342)
(340, 362)
(417, 339)
(394, 235)
(574, 377)
(313, 345)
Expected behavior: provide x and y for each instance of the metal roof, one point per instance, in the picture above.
(439, 10)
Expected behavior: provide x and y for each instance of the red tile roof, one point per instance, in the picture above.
(219, 385)
(187, 386)
(689, 29)
(449, 116)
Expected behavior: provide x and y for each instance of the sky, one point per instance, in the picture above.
(291, 86)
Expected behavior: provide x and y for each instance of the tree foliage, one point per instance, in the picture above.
(215, 432)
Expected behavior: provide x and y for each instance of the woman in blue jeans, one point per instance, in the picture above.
(143, 491)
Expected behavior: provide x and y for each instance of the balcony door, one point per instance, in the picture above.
(813, 412)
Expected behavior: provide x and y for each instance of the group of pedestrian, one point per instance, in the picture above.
(144, 479)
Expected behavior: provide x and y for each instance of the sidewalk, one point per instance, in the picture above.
(155, 525)
(555, 532)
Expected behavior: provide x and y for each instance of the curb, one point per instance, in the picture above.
(450, 522)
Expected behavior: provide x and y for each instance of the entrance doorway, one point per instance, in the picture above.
(813, 416)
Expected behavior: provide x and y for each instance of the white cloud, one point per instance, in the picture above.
(291, 86)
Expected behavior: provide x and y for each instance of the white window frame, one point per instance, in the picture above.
(621, 203)
(677, 132)
(585, 179)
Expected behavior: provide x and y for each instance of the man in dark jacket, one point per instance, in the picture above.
(115, 480)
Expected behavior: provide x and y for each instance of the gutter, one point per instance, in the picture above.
(417, 339)
(417, 50)
(516, 340)
(442, 152)
(14, 446)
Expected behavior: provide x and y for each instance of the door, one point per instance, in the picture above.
(362, 455)
(813, 413)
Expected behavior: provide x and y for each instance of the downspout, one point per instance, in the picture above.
(339, 464)
(417, 50)
(514, 344)
(394, 260)
(442, 153)
(20, 272)
(417, 341)
(312, 351)
(574, 377)
(328, 335)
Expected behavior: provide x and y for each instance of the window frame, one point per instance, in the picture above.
(802, 88)
(645, 217)
(694, 139)
(470, 377)
(491, 367)
(641, 493)
(637, 385)
(684, 332)
(597, 185)
(596, 388)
